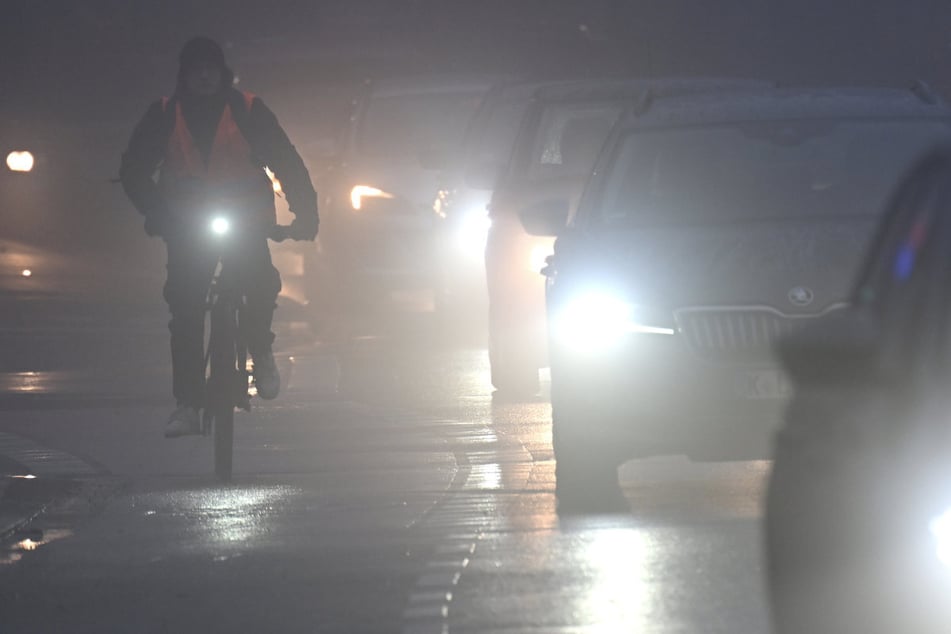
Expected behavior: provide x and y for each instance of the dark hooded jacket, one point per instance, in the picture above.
(269, 143)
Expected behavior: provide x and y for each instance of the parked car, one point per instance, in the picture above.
(378, 226)
(555, 150)
(714, 223)
(858, 512)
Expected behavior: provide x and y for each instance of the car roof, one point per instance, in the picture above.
(636, 88)
(432, 84)
(786, 103)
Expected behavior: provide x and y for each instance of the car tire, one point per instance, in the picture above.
(588, 448)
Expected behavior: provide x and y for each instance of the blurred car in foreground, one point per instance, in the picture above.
(714, 223)
(858, 513)
(378, 226)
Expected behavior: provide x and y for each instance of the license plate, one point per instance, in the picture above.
(763, 384)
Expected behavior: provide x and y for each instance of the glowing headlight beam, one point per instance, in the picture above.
(359, 192)
(220, 226)
(599, 321)
(20, 161)
(940, 528)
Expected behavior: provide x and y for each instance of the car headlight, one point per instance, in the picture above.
(472, 233)
(20, 161)
(940, 528)
(598, 321)
(359, 192)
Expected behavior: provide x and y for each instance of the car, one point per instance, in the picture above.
(858, 506)
(377, 226)
(714, 223)
(465, 191)
(555, 150)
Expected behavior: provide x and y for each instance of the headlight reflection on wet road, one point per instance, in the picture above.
(615, 562)
(234, 515)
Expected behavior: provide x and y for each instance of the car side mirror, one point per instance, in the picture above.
(841, 346)
(545, 218)
(483, 176)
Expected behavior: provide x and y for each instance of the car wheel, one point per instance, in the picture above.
(588, 450)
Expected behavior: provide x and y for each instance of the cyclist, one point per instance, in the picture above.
(206, 147)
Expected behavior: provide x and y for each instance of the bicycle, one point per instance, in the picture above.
(226, 357)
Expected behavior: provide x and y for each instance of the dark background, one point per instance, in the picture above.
(76, 76)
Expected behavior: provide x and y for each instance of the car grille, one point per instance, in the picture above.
(736, 335)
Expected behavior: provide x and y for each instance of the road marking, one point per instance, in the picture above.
(428, 606)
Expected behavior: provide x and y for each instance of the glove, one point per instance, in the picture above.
(304, 227)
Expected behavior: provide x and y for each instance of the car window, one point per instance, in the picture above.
(404, 125)
(492, 142)
(569, 138)
(761, 170)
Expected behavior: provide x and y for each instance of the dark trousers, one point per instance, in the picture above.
(192, 261)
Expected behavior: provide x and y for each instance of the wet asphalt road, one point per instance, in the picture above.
(387, 490)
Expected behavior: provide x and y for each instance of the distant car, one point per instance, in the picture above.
(378, 226)
(465, 191)
(858, 512)
(714, 223)
(555, 151)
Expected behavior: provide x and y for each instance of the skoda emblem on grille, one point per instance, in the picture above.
(801, 296)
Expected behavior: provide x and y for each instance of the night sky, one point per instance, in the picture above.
(106, 58)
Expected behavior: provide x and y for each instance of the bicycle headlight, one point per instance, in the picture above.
(220, 225)
(598, 321)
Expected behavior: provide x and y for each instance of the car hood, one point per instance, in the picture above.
(796, 267)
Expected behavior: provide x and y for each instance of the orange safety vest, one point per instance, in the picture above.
(229, 180)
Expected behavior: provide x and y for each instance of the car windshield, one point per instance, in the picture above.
(405, 125)
(491, 142)
(569, 138)
(761, 170)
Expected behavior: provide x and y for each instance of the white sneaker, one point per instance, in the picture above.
(267, 380)
(184, 421)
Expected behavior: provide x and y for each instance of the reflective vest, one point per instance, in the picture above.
(230, 180)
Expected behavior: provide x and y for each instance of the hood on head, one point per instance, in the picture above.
(202, 49)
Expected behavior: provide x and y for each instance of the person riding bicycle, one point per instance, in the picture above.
(208, 144)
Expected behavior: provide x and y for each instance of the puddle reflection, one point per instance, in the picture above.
(15, 552)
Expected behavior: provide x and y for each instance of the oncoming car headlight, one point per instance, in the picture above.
(940, 528)
(472, 233)
(598, 321)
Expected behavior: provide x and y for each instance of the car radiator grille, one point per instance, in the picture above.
(735, 335)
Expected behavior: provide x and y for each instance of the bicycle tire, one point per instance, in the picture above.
(220, 386)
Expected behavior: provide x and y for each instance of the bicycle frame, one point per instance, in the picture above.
(226, 357)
